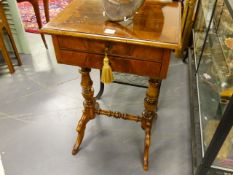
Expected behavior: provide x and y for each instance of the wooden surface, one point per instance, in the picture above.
(140, 46)
(35, 5)
(127, 58)
(5, 26)
(80, 38)
(155, 24)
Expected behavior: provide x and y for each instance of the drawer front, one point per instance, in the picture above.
(122, 50)
(82, 59)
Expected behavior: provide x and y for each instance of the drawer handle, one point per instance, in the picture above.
(107, 76)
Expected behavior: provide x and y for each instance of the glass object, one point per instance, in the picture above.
(201, 25)
(213, 39)
(120, 10)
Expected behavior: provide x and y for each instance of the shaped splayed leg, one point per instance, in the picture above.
(89, 107)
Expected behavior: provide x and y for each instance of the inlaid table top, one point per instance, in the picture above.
(155, 24)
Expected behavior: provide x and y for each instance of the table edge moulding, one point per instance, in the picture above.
(82, 36)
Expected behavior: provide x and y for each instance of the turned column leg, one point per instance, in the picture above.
(89, 107)
(150, 104)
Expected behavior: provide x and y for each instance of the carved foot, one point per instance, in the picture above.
(146, 150)
(81, 130)
(78, 143)
(89, 107)
(75, 148)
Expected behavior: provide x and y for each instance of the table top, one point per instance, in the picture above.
(155, 24)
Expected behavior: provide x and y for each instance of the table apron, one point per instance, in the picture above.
(134, 63)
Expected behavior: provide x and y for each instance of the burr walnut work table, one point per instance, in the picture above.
(142, 45)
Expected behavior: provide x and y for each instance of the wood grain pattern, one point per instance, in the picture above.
(150, 105)
(90, 53)
(155, 24)
(152, 69)
(165, 63)
(114, 48)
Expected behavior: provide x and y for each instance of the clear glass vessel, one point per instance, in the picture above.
(120, 10)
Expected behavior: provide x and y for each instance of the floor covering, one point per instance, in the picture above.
(28, 15)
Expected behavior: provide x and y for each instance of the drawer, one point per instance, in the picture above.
(118, 64)
(116, 49)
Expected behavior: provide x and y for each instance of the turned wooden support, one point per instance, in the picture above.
(118, 115)
(89, 107)
(35, 5)
(4, 26)
(90, 110)
(150, 104)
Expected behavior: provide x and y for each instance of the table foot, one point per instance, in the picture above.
(81, 131)
(146, 150)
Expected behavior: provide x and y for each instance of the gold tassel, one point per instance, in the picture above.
(106, 76)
